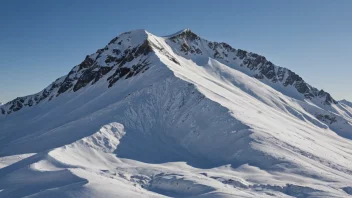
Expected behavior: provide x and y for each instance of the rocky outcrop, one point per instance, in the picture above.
(326, 118)
(89, 71)
(86, 63)
(121, 51)
(128, 72)
(91, 75)
(94, 67)
(262, 69)
(28, 101)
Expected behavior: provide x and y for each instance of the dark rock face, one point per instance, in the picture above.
(186, 34)
(144, 49)
(191, 38)
(326, 118)
(128, 72)
(241, 54)
(65, 86)
(261, 67)
(86, 63)
(17, 105)
(119, 73)
(281, 73)
(101, 72)
(113, 40)
(268, 70)
(328, 98)
(111, 59)
(91, 75)
(116, 51)
(185, 48)
(20, 102)
(89, 72)
(140, 66)
(163, 51)
(259, 60)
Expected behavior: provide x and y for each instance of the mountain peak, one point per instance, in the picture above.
(127, 55)
(134, 36)
(186, 31)
(178, 110)
(346, 102)
(138, 32)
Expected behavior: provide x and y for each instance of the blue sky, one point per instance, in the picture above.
(42, 40)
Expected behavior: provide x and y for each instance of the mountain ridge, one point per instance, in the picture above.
(344, 101)
(176, 117)
(260, 68)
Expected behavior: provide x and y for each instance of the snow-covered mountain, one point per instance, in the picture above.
(151, 116)
(346, 102)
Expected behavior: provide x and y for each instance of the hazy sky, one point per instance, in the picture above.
(42, 40)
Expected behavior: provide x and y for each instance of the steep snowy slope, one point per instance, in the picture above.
(345, 102)
(177, 116)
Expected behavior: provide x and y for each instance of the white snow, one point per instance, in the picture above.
(8, 160)
(189, 126)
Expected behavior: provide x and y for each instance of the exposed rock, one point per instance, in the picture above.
(328, 99)
(91, 75)
(326, 118)
(116, 51)
(119, 73)
(241, 53)
(86, 63)
(144, 49)
(65, 86)
(113, 40)
(261, 67)
(110, 59)
(89, 70)
(268, 70)
(188, 34)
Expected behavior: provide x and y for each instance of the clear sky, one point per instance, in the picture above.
(41, 40)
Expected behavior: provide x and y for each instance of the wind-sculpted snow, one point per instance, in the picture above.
(176, 116)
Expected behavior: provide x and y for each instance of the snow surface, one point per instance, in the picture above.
(345, 102)
(190, 126)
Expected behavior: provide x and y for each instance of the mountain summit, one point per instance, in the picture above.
(178, 116)
(131, 46)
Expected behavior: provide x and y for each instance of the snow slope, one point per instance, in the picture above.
(345, 102)
(176, 116)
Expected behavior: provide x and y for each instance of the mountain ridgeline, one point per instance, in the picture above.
(111, 61)
(176, 116)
